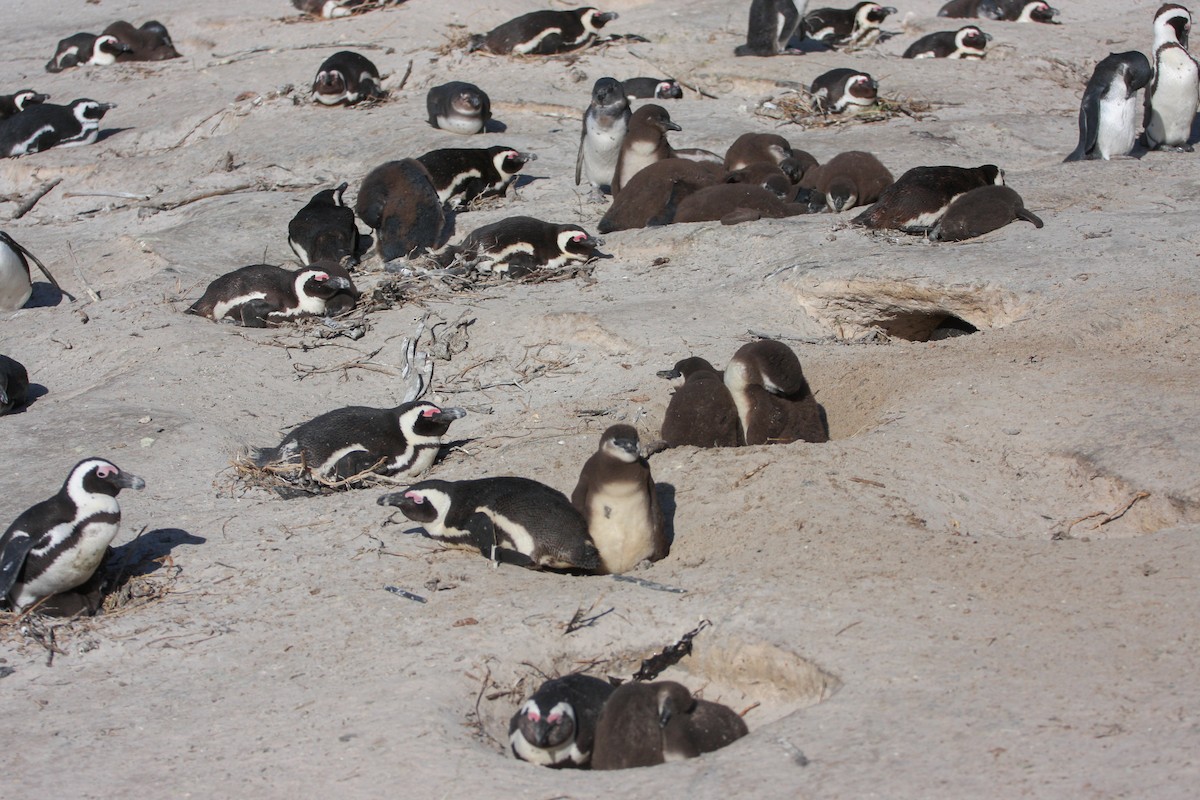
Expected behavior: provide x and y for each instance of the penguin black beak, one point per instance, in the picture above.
(669, 374)
(107, 106)
(668, 125)
(527, 156)
(629, 446)
(392, 499)
(987, 37)
(338, 282)
(888, 10)
(595, 241)
(606, 17)
(127, 480)
(449, 414)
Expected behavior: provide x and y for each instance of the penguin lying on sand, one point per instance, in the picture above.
(839, 89)
(150, 42)
(965, 43)
(847, 27)
(652, 88)
(556, 726)
(516, 246)
(919, 197)
(47, 125)
(324, 230)
(461, 174)
(16, 102)
(544, 33)
(458, 107)
(1003, 10)
(981, 211)
(84, 49)
(346, 78)
(774, 402)
(399, 202)
(264, 295)
(14, 383)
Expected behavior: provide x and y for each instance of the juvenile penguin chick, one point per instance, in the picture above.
(605, 125)
(774, 402)
(645, 143)
(981, 211)
(557, 725)
(919, 198)
(701, 412)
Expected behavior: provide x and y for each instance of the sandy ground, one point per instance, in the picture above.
(934, 604)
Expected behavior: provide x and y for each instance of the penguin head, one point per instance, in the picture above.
(321, 284)
(106, 49)
(99, 476)
(668, 90)
(656, 117)
(546, 729)
(594, 20)
(674, 700)
(422, 502)
(28, 97)
(467, 101)
(872, 14)
(576, 243)
(688, 367)
(508, 162)
(972, 38)
(621, 442)
(862, 88)
(89, 112)
(329, 81)
(424, 420)
(992, 174)
(608, 93)
(1038, 11)
(842, 194)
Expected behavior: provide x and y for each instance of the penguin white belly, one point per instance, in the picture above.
(15, 288)
(620, 525)
(600, 153)
(1173, 105)
(457, 124)
(421, 461)
(71, 568)
(1118, 118)
(638, 157)
(567, 752)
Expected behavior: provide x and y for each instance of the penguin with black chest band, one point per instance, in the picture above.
(461, 174)
(514, 520)
(850, 179)
(15, 103)
(557, 725)
(981, 211)
(14, 384)
(616, 496)
(1001, 10)
(324, 230)
(654, 194)
(400, 442)
(150, 42)
(967, 43)
(919, 197)
(59, 543)
(772, 25)
(652, 88)
(47, 125)
(644, 724)
(16, 286)
(1108, 112)
(644, 143)
(517, 246)
(263, 295)
(544, 33)
(346, 78)
(701, 412)
(839, 89)
(774, 402)
(605, 126)
(1172, 99)
(399, 202)
(847, 27)
(1172, 23)
(458, 107)
(86, 49)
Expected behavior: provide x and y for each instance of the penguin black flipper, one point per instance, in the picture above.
(1029, 216)
(1089, 125)
(14, 547)
(4, 237)
(353, 464)
(483, 535)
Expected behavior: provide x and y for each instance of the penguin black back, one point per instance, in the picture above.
(544, 33)
(14, 383)
(557, 725)
(461, 174)
(398, 200)
(920, 196)
(150, 42)
(772, 25)
(86, 48)
(16, 102)
(858, 26)
(47, 125)
(516, 246)
(264, 294)
(968, 43)
(324, 229)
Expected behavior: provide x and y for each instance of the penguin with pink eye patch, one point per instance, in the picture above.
(557, 725)
(263, 295)
(517, 246)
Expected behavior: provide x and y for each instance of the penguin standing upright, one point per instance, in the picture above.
(1108, 111)
(324, 230)
(967, 43)
(645, 143)
(14, 384)
(15, 285)
(772, 25)
(47, 125)
(774, 402)
(346, 77)
(86, 49)
(399, 202)
(1172, 99)
(605, 125)
(16, 102)
(701, 412)
(847, 27)
(557, 725)
(458, 107)
(59, 543)
(616, 496)
(514, 520)
(263, 294)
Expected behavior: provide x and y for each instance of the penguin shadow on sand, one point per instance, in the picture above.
(106, 133)
(145, 554)
(46, 295)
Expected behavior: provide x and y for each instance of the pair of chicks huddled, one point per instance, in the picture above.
(582, 721)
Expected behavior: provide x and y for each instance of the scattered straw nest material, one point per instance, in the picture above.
(297, 479)
(798, 107)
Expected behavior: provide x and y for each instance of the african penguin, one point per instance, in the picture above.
(1001, 10)
(920, 196)
(16, 102)
(544, 33)
(853, 178)
(838, 89)
(47, 125)
(772, 25)
(86, 49)
(605, 126)
(59, 543)
(774, 402)
(462, 174)
(150, 42)
(1172, 99)
(644, 724)
(514, 520)
(652, 88)
(734, 203)
(616, 495)
(1172, 23)
(14, 384)
(399, 202)
(768, 176)
(701, 412)
(346, 78)
(654, 194)
(965, 43)
(516, 246)
(328, 9)
(644, 143)
(752, 148)
(1108, 111)
(324, 230)
(401, 441)
(556, 726)
(981, 211)
(458, 107)
(262, 294)
(847, 27)
(16, 287)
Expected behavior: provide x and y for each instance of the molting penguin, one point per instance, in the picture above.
(645, 143)
(652, 88)
(401, 441)
(920, 196)
(654, 194)
(616, 496)
(1108, 111)
(544, 33)
(346, 77)
(86, 49)
(772, 25)
(514, 520)
(262, 294)
(965, 43)
(701, 412)
(644, 724)
(151, 42)
(59, 543)
(47, 125)
(462, 174)
(557, 725)
(1172, 23)
(14, 384)
(605, 126)
(458, 107)
(981, 211)
(839, 89)
(324, 230)
(1172, 99)
(773, 399)
(516, 246)
(16, 102)
(847, 27)
(1003, 10)
(399, 202)
(15, 285)
(853, 178)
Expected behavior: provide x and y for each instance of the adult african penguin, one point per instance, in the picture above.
(16, 102)
(701, 412)
(14, 384)
(772, 25)
(324, 230)
(514, 520)
(1172, 99)
(967, 43)
(86, 49)
(556, 726)
(16, 286)
(458, 107)
(544, 33)
(774, 402)
(516, 246)
(59, 543)
(399, 201)
(920, 196)
(1001, 10)
(847, 27)
(1108, 112)
(47, 125)
(346, 78)
(605, 125)
(461, 174)
(839, 89)
(263, 295)
(652, 88)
